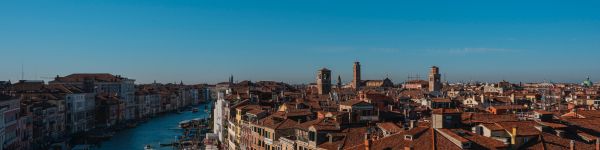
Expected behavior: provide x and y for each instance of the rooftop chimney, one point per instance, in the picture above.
(572, 145)
(433, 142)
(367, 141)
(513, 137)
(412, 124)
(597, 143)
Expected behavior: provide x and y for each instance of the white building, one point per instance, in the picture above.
(472, 101)
(9, 118)
(493, 88)
(218, 117)
(80, 112)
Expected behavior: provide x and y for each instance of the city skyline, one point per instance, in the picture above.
(205, 42)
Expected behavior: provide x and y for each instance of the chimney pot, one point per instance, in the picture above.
(597, 143)
(367, 141)
(514, 135)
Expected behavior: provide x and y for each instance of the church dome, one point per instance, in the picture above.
(587, 82)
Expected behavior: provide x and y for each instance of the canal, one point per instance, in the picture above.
(162, 129)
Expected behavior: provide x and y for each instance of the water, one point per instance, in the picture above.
(162, 129)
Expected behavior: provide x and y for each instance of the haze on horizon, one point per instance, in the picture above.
(206, 41)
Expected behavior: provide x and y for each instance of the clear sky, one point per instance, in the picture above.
(206, 41)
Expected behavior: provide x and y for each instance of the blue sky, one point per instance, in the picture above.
(206, 41)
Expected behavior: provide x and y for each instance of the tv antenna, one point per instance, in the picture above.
(22, 71)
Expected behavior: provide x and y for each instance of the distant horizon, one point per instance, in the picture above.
(422, 77)
(206, 41)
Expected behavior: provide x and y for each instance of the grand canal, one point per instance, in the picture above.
(162, 129)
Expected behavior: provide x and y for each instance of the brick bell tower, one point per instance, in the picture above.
(435, 83)
(324, 81)
(356, 75)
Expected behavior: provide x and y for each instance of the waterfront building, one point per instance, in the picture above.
(81, 114)
(104, 83)
(108, 110)
(47, 118)
(9, 122)
(219, 117)
(148, 103)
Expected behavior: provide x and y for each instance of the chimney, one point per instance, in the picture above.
(597, 143)
(512, 97)
(412, 124)
(513, 138)
(339, 147)
(408, 147)
(330, 138)
(560, 133)
(572, 145)
(542, 141)
(482, 98)
(367, 141)
(433, 142)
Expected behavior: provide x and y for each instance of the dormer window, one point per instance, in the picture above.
(466, 145)
(408, 137)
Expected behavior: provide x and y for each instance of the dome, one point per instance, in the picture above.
(587, 82)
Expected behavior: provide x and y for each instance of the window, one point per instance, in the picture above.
(311, 136)
(448, 117)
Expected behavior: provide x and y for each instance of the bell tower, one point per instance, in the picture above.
(435, 84)
(324, 81)
(356, 75)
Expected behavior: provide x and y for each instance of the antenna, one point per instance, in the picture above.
(22, 71)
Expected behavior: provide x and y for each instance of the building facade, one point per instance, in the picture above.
(105, 83)
(81, 113)
(9, 121)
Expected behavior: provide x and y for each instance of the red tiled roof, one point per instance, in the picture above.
(445, 111)
(524, 128)
(470, 117)
(389, 127)
(551, 142)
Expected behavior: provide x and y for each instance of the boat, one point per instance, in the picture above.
(195, 110)
(148, 147)
(184, 124)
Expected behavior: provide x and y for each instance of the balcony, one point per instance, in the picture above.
(369, 118)
(268, 141)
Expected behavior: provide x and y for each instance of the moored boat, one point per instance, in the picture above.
(148, 147)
